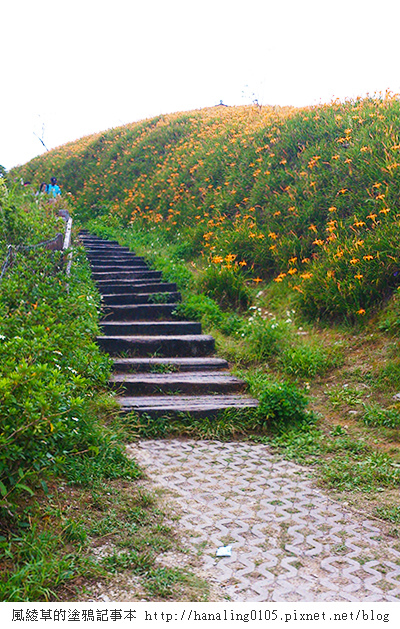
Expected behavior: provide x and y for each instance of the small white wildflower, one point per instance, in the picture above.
(288, 321)
(2, 337)
(260, 292)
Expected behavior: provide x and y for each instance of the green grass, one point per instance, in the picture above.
(53, 554)
(375, 415)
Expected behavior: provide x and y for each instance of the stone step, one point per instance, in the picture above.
(150, 328)
(140, 312)
(198, 406)
(184, 383)
(136, 286)
(162, 345)
(141, 298)
(165, 365)
(127, 275)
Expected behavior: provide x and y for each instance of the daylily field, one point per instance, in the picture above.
(306, 197)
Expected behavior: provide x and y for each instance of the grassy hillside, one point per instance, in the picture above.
(276, 223)
(305, 197)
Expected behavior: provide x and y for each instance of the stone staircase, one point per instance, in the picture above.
(162, 365)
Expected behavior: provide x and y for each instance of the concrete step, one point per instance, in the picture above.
(162, 345)
(184, 383)
(141, 298)
(136, 286)
(150, 328)
(127, 275)
(165, 365)
(140, 312)
(198, 406)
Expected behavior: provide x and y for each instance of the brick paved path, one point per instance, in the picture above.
(290, 542)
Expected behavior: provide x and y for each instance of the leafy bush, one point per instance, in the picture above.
(225, 285)
(282, 404)
(265, 337)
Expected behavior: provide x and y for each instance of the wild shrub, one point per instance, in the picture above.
(282, 404)
(265, 337)
(226, 285)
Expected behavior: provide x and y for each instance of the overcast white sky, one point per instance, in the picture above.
(70, 68)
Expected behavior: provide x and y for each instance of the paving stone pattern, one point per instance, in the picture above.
(290, 541)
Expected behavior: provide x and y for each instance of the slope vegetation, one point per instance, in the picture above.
(306, 197)
(273, 222)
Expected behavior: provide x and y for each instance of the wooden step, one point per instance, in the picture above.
(88, 241)
(185, 383)
(141, 298)
(103, 284)
(149, 328)
(137, 286)
(111, 268)
(162, 345)
(165, 365)
(108, 249)
(139, 312)
(126, 275)
(114, 260)
(196, 405)
(104, 255)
